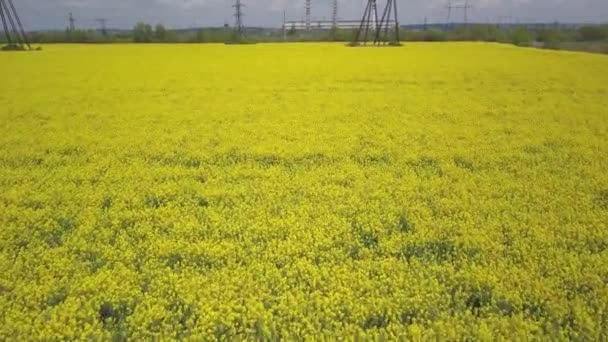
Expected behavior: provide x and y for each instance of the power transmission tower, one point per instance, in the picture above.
(383, 36)
(334, 20)
(238, 20)
(238, 16)
(103, 26)
(308, 5)
(466, 6)
(72, 21)
(449, 8)
(334, 14)
(15, 34)
(383, 33)
(368, 22)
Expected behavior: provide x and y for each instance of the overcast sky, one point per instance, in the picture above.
(52, 14)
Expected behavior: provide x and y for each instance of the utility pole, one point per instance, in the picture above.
(308, 5)
(72, 22)
(425, 26)
(102, 26)
(284, 25)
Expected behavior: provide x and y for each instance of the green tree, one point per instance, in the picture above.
(201, 37)
(551, 38)
(160, 32)
(521, 37)
(593, 33)
(143, 33)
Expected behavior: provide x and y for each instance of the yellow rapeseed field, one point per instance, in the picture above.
(303, 191)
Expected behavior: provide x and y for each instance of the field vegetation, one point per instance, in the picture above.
(589, 38)
(303, 191)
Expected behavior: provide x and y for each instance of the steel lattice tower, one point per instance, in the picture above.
(103, 26)
(72, 21)
(449, 6)
(308, 5)
(334, 14)
(368, 22)
(383, 33)
(466, 6)
(16, 37)
(238, 18)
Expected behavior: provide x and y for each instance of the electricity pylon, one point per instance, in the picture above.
(16, 37)
(383, 32)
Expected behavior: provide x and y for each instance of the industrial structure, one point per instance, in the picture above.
(15, 35)
(384, 31)
(381, 30)
(72, 22)
(334, 14)
(323, 24)
(310, 24)
(238, 34)
(308, 9)
(238, 17)
(103, 28)
(465, 7)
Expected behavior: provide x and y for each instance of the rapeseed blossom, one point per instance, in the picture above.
(303, 191)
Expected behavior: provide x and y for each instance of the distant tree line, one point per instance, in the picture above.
(144, 33)
(519, 35)
(552, 36)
